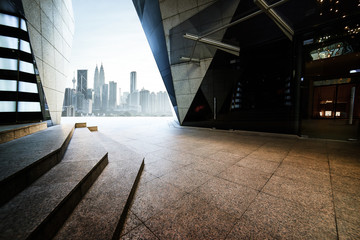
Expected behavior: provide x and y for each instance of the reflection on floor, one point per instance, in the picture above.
(210, 184)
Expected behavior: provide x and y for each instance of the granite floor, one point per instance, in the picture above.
(213, 184)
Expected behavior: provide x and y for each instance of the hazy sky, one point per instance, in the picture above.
(110, 32)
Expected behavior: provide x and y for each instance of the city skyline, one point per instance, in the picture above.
(103, 99)
(119, 45)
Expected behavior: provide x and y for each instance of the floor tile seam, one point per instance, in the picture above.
(356, 195)
(323, 192)
(306, 167)
(152, 174)
(332, 193)
(246, 209)
(272, 174)
(300, 180)
(341, 175)
(348, 222)
(180, 188)
(138, 226)
(214, 205)
(243, 185)
(261, 173)
(305, 206)
(172, 161)
(179, 207)
(159, 211)
(164, 174)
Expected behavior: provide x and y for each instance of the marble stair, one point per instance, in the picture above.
(82, 191)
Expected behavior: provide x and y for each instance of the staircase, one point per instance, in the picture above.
(60, 183)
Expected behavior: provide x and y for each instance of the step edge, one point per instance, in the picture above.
(124, 213)
(54, 157)
(48, 228)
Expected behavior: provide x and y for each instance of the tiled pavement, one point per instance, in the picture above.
(210, 184)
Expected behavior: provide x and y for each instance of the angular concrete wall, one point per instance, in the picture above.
(51, 29)
(196, 17)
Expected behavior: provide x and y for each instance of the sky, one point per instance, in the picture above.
(110, 32)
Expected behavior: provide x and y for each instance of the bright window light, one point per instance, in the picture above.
(328, 113)
(337, 114)
(321, 114)
(29, 107)
(8, 64)
(9, 20)
(25, 46)
(23, 25)
(7, 106)
(7, 85)
(8, 42)
(28, 87)
(27, 67)
(355, 71)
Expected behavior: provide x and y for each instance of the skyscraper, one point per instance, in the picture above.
(101, 76)
(96, 78)
(132, 82)
(82, 82)
(97, 89)
(112, 95)
(104, 97)
(145, 101)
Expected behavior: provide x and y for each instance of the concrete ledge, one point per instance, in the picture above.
(17, 131)
(80, 125)
(93, 128)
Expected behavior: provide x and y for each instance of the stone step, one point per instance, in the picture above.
(102, 212)
(40, 210)
(24, 160)
(11, 132)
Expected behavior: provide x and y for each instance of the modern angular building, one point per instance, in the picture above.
(82, 82)
(275, 66)
(35, 48)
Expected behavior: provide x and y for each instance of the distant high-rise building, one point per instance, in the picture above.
(101, 76)
(163, 104)
(112, 95)
(152, 103)
(105, 97)
(96, 78)
(134, 101)
(145, 101)
(89, 94)
(132, 82)
(119, 98)
(80, 98)
(125, 98)
(68, 97)
(97, 89)
(74, 81)
(82, 82)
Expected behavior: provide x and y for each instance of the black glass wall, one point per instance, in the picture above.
(21, 94)
(306, 84)
(252, 91)
(330, 85)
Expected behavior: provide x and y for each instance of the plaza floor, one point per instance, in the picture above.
(214, 184)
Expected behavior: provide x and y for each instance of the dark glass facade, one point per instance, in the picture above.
(297, 75)
(150, 17)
